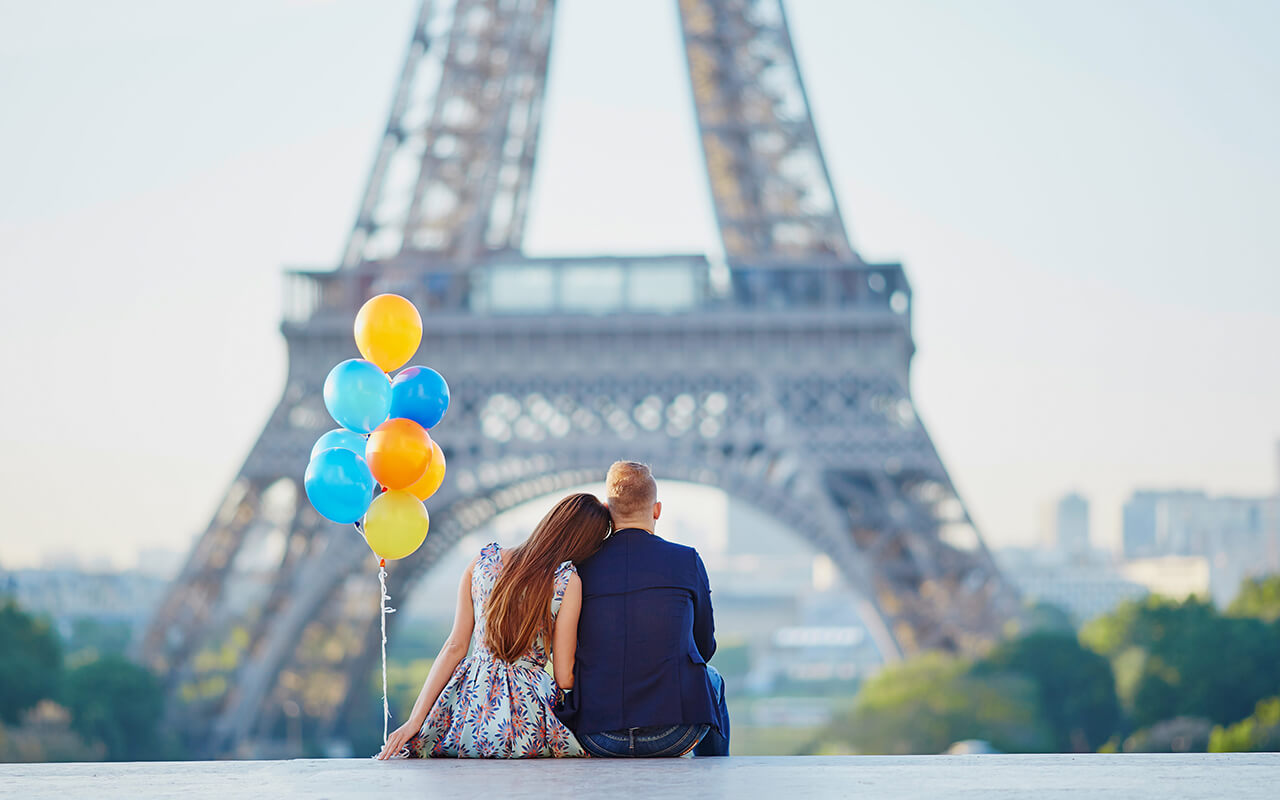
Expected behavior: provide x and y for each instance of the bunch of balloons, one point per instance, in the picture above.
(381, 464)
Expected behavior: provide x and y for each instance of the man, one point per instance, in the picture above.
(643, 687)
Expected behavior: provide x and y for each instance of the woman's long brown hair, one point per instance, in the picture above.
(518, 610)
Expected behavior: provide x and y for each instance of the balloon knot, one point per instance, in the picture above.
(382, 562)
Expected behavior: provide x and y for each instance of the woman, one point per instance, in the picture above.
(497, 702)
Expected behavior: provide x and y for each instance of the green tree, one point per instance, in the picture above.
(1257, 733)
(120, 704)
(90, 639)
(1258, 598)
(1044, 617)
(928, 703)
(1184, 659)
(30, 662)
(1075, 686)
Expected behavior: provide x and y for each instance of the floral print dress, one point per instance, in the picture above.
(492, 708)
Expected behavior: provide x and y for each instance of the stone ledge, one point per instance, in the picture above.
(1242, 775)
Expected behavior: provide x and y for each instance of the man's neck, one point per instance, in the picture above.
(645, 525)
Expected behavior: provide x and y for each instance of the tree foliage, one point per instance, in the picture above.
(928, 703)
(30, 662)
(1258, 598)
(118, 703)
(1044, 617)
(1184, 659)
(89, 639)
(1075, 687)
(1257, 733)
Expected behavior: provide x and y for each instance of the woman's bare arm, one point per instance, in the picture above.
(451, 654)
(564, 645)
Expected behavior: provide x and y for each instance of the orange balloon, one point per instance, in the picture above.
(398, 452)
(388, 331)
(430, 481)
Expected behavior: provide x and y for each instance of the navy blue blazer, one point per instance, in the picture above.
(644, 637)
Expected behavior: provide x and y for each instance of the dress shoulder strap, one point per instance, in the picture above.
(562, 578)
(487, 565)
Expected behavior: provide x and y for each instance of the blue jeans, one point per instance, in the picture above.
(665, 741)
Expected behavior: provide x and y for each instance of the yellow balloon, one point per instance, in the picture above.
(430, 481)
(396, 524)
(388, 331)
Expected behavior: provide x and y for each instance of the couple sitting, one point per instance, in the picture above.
(628, 622)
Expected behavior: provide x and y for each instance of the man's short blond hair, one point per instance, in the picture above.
(630, 489)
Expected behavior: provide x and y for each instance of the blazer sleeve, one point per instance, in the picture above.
(704, 626)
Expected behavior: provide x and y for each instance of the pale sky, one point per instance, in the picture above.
(1085, 195)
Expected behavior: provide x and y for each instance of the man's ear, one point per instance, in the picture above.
(657, 510)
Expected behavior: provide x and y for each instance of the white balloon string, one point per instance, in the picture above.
(386, 609)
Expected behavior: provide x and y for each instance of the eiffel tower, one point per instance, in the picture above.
(779, 375)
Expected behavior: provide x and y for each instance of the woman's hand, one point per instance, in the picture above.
(398, 738)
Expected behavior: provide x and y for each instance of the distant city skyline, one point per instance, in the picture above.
(1072, 533)
(1083, 195)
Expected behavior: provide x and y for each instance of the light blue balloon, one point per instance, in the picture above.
(340, 437)
(339, 485)
(358, 395)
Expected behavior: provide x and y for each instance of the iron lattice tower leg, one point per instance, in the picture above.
(769, 182)
(790, 392)
(452, 174)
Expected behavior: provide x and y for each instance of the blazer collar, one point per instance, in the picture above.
(631, 530)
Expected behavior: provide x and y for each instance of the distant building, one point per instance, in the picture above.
(65, 595)
(1084, 588)
(1071, 526)
(1178, 577)
(820, 648)
(1163, 523)
(1236, 535)
(1091, 587)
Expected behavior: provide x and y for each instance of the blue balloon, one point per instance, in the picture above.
(419, 394)
(339, 485)
(340, 437)
(358, 395)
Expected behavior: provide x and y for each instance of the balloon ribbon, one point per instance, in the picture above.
(386, 609)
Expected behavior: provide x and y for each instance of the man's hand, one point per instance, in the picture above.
(398, 738)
